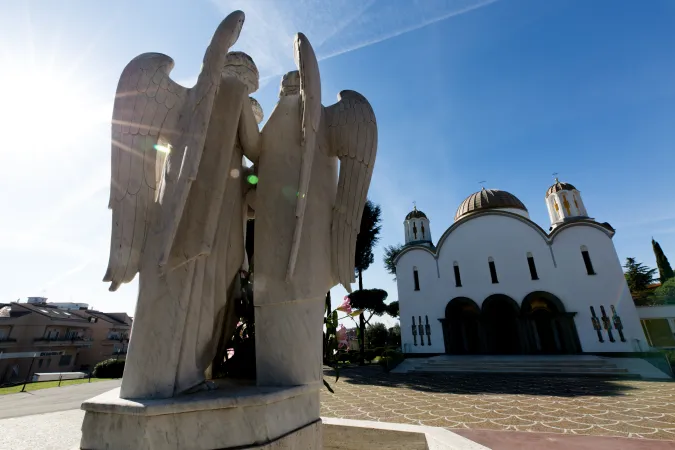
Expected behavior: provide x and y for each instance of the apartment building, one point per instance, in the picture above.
(39, 337)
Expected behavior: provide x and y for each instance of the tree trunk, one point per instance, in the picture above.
(362, 328)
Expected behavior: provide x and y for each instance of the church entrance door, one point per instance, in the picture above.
(462, 323)
(545, 332)
(502, 325)
(550, 328)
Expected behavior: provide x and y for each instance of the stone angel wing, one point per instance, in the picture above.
(152, 117)
(310, 96)
(145, 118)
(352, 136)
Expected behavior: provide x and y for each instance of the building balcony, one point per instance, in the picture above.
(62, 341)
(115, 340)
(7, 341)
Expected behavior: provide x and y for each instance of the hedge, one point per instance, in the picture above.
(110, 368)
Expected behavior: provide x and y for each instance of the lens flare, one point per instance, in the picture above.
(163, 148)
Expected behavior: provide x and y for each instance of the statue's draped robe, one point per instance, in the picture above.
(291, 309)
(180, 312)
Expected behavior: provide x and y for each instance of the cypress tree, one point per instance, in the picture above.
(665, 271)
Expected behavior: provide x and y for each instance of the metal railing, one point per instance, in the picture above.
(63, 339)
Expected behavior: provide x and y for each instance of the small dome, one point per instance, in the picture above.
(558, 186)
(488, 199)
(415, 214)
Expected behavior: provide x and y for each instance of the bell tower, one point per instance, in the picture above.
(564, 203)
(416, 227)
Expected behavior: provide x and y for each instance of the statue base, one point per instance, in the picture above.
(233, 416)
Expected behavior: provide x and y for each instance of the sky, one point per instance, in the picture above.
(505, 91)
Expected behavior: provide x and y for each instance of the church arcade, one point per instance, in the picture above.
(497, 283)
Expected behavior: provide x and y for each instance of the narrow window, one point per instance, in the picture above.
(417, 279)
(533, 268)
(458, 278)
(493, 270)
(587, 260)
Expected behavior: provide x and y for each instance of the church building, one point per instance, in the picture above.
(497, 283)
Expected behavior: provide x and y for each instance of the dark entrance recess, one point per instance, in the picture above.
(540, 326)
(550, 328)
(462, 317)
(500, 319)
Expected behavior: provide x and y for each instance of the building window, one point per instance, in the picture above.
(587, 260)
(493, 270)
(458, 278)
(533, 268)
(65, 360)
(416, 277)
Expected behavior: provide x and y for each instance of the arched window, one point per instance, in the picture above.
(587, 260)
(416, 278)
(533, 268)
(493, 270)
(458, 278)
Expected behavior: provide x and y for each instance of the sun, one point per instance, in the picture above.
(38, 106)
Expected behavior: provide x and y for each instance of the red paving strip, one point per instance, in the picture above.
(521, 440)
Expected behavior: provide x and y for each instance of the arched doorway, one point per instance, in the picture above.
(550, 328)
(462, 327)
(502, 325)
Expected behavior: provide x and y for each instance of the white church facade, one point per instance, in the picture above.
(497, 283)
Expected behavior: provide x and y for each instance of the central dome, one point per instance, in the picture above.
(488, 199)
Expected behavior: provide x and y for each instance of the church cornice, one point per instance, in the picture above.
(547, 237)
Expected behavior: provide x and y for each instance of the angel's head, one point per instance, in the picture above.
(242, 67)
(290, 84)
(257, 110)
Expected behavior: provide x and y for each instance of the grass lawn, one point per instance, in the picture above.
(47, 384)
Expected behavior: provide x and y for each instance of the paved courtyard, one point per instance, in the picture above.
(585, 406)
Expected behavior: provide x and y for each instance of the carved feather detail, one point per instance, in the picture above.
(352, 136)
(151, 114)
(141, 125)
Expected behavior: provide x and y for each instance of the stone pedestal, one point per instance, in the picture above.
(233, 416)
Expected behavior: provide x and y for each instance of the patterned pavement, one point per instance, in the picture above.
(585, 406)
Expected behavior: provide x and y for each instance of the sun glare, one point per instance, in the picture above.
(43, 112)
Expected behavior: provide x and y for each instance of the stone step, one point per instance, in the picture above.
(542, 370)
(514, 364)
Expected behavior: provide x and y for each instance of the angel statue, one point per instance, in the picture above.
(307, 217)
(178, 211)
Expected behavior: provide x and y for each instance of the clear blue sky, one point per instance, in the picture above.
(506, 91)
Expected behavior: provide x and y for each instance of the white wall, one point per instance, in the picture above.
(418, 223)
(656, 312)
(508, 240)
(607, 287)
(577, 208)
(517, 211)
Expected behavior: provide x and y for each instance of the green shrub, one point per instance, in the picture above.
(110, 368)
(392, 353)
(670, 356)
(378, 351)
(391, 359)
